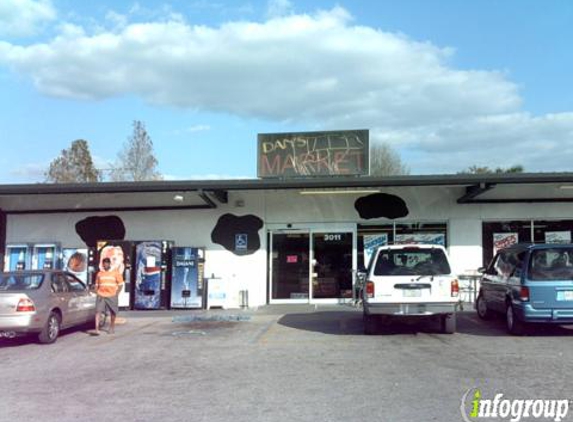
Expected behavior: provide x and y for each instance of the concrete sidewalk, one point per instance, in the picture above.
(216, 313)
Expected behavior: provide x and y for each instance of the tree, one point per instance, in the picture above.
(74, 165)
(384, 161)
(486, 170)
(136, 161)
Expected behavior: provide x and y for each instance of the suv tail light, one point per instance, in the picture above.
(25, 305)
(455, 288)
(370, 289)
(524, 294)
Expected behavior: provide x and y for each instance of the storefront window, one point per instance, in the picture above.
(370, 237)
(498, 235)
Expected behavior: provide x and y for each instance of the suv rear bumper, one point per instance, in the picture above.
(410, 309)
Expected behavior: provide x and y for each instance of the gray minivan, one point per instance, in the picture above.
(529, 284)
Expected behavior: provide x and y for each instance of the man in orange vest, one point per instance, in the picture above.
(108, 284)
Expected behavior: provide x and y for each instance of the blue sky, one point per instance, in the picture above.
(448, 84)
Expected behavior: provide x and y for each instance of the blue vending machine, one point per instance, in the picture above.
(187, 277)
(151, 274)
(46, 256)
(18, 257)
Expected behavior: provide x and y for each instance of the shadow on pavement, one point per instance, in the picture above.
(22, 340)
(468, 323)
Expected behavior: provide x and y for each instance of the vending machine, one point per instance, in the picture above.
(18, 257)
(45, 256)
(187, 265)
(75, 261)
(120, 253)
(152, 268)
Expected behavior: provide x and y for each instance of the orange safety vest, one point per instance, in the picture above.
(108, 283)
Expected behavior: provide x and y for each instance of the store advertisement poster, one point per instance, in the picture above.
(426, 238)
(558, 237)
(148, 275)
(371, 244)
(185, 288)
(75, 261)
(503, 240)
(217, 293)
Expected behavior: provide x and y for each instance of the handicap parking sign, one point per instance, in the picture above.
(241, 241)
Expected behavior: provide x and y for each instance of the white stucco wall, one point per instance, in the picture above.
(280, 208)
(185, 228)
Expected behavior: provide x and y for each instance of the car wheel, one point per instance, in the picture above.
(51, 330)
(369, 324)
(448, 323)
(481, 307)
(514, 325)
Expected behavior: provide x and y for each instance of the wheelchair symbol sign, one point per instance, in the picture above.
(241, 241)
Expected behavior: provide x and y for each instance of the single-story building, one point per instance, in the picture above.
(293, 240)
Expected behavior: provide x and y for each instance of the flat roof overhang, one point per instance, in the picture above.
(207, 194)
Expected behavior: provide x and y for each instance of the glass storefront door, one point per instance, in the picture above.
(290, 266)
(311, 266)
(332, 262)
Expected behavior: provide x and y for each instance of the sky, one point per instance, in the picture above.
(448, 84)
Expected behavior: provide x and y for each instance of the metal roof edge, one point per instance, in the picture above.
(291, 183)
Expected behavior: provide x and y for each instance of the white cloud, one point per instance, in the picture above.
(318, 70)
(205, 177)
(191, 129)
(277, 8)
(24, 17)
(118, 20)
(542, 143)
(198, 128)
(29, 173)
(300, 67)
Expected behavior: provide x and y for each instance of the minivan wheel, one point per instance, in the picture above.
(448, 323)
(369, 324)
(51, 330)
(481, 307)
(514, 325)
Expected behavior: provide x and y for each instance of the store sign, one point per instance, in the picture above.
(303, 154)
(241, 241)
(504, 240)
(558, 237)
(371, 244)
(292, 259)
(426, 238)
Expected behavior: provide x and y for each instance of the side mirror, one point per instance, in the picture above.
(482, 270)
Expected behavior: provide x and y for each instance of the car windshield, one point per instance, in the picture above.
(13, 282)
(551, 264)
(412, 262)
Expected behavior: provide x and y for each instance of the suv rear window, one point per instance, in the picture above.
(551, 264)
(15, 282)
(412, 262)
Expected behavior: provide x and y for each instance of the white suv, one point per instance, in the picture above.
(410, 281)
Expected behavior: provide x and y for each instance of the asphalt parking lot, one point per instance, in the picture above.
(277, 364)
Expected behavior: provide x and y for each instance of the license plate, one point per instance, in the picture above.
(565, 295)
(412, 292)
